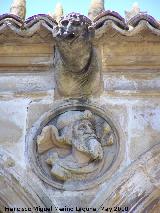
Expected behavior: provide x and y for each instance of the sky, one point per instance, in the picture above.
(82, 6)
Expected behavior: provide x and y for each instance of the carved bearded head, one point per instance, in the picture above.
(78, 128)
(73, 25)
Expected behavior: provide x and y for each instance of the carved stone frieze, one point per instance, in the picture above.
(73, 146)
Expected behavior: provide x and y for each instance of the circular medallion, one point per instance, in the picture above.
(74, 146)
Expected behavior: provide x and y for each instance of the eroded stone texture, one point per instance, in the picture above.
(136, 189)
(13, 127)
(130, 62)
(72, 146)
(20, 189)
(22, 83)
(77, 132)
(145, 127)
(13, 115)
(119, 111)
(37, 108)
(77, 70)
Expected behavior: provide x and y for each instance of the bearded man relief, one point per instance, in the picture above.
(74, 147)
(77, 71)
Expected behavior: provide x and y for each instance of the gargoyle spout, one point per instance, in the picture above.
(73, 41)
(75, 58)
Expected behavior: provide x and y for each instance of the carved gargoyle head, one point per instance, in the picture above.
(73, 25)
(73, 41)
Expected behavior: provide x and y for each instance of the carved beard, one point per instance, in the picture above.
(85, 145)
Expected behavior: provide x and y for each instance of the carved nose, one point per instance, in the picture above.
(69, 27)
(88, 130)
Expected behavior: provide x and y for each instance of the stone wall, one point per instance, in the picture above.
(130, 64)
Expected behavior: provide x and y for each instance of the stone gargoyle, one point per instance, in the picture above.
(77, 71)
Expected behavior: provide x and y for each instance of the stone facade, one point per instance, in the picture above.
(92, 150)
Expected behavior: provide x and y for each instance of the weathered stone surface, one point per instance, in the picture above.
(77, 71)
(13, 127)
(20, 189)
(25, 58)
(132, 81)
(138, 117)
(78, 136)
(130, 103)
(136, 188)
(37, 108)
(144, 128)
(24, 83)
(130, 55)
(13, 118)
(119, 111)
(75, 142)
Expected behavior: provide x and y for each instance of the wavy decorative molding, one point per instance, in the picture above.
(136, 20)
(108, 20)
(112, 16)
(27, 28)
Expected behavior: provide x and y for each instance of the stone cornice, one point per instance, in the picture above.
(27, 28)
(106, 21)
(32, 42)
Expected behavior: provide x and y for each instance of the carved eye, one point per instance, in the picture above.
(90, 125)
(82, 127)
(76, 23)
(64, 23)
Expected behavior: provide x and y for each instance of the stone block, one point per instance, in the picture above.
(37, 109)
(13, 115)
(118, 110)
(119, 114)
(144, 127)
(131, 81)
(27, 83)
(12, 121)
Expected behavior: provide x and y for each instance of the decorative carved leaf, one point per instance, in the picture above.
(57, 140)
(50, 138)
(44, 140)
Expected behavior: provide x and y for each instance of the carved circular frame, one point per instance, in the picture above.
(59, 108)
